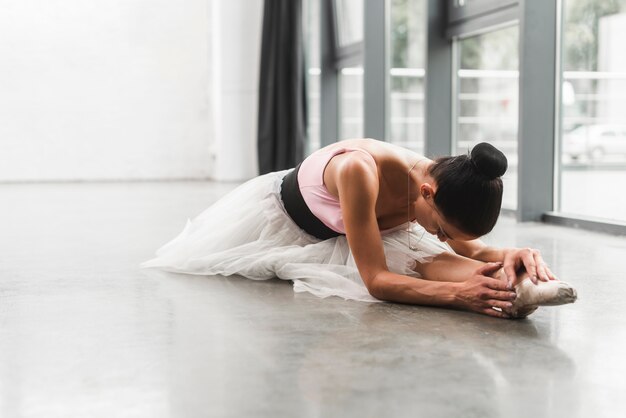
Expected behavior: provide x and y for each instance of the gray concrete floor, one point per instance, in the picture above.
(85, 333)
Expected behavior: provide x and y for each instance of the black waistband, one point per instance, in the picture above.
(298, 210)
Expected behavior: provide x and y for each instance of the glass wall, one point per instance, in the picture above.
(351, 103)
(406, 84)
(593, 109)
(487, 99)
(350, 21)
(350, 32)
(590, 134)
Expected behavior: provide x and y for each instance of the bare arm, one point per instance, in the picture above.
(357, 185)
(513, 258)
(478, 250)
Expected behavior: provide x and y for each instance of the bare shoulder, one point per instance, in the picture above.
(381, 164)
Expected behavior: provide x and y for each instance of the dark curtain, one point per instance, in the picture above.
(282, 89)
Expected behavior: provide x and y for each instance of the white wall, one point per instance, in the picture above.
(115, 89)
(236, 29)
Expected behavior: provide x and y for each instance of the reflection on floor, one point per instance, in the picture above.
(84, 332)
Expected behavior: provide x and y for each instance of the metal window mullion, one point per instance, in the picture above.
(439, 83)
(537, 104)
(375, 69)
(556, 197)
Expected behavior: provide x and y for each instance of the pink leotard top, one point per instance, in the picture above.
(322, 204)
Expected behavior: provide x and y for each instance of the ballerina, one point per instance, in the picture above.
(367, 220)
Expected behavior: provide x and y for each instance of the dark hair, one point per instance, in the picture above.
(469, 188)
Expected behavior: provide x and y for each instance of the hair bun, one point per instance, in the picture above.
(489, 160)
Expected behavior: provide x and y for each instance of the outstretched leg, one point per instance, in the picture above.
(449, 267)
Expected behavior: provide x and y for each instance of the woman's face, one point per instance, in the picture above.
(428, 215)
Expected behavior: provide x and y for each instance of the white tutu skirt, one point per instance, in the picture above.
(248, 233)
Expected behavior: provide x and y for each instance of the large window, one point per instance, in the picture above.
(407, 47)
(593, 109)
(487, 83)
(487, 99)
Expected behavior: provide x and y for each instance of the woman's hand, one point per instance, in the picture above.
(481, 293)
(531, 260)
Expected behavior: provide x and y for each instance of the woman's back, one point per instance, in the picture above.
(391, 163)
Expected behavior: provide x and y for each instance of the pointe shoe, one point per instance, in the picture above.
(530, 296)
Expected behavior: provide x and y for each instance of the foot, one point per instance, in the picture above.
(530, 296)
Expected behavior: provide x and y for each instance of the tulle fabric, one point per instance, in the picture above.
(248, 233)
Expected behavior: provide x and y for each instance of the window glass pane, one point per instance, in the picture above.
(349, 21)
(351, 103)
(407, 56)
(311, 24)
(593, 109)
(487, 99)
